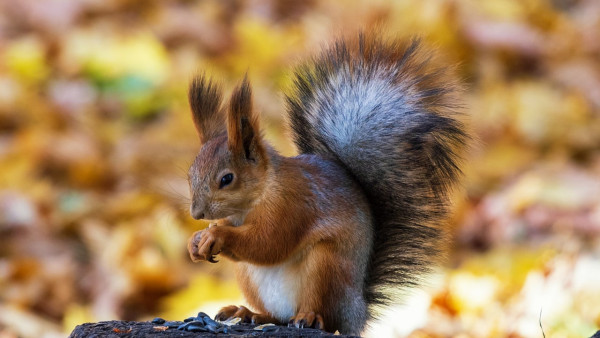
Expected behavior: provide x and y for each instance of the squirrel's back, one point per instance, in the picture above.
(388, 114)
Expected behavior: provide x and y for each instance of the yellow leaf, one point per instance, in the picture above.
(202, 289)
(110, 56)
(75, 315)
(26, 58)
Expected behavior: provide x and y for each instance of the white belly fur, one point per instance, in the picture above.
(277, 288)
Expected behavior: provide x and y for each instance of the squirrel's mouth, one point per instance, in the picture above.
(208, 213)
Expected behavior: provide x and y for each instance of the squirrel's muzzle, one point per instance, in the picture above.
(196, 212)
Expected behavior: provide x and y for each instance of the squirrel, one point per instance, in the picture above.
(325, 238)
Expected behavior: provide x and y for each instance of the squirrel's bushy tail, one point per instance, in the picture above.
(388, 114)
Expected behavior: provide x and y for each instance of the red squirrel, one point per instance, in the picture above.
(324, 238)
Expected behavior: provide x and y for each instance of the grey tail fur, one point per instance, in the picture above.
(389, 115)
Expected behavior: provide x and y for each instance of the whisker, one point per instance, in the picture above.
(183, 171)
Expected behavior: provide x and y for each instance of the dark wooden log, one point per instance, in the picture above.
(120, 329)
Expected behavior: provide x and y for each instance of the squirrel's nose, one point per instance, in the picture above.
(196, 213)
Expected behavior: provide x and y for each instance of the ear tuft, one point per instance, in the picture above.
(205, 101)
(242, 124)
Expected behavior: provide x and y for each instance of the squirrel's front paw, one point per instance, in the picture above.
(204, 245)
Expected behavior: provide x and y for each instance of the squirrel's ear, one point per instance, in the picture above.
(243, 131)
(205, 100)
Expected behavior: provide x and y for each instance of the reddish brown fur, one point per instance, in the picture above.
(250, 289)
(283, 206)
(289, 220)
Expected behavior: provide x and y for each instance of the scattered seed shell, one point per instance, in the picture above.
(231, 321)
(158, 320)
(183, 326)
(260, 327)
(270, 328)
(160, 328)
(212, 328)
(209, 321)
(229, 330)
(171, 324)
(196, 328)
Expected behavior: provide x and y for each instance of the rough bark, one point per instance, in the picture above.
(119, 329)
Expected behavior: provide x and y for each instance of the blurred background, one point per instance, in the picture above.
(96, 138)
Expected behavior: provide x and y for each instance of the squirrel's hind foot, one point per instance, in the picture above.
(307, 319)
(246, 315)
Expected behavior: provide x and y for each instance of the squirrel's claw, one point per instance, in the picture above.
(307, 319)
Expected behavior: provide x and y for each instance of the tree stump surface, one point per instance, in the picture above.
(119, 329)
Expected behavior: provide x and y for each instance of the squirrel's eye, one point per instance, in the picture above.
(226, 180)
